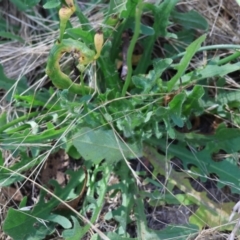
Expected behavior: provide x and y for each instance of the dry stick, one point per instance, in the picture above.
(215, 20)
(236, 208)
(234, 231)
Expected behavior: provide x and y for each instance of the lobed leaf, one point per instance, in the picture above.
(185, 61)
(98, 144)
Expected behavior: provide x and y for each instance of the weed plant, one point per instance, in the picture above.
(163, 116)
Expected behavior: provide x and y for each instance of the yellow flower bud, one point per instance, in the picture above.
(98, 41)
(65, 13)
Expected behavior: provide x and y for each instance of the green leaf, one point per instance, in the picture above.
(21, 226)
(142, 82)
(127, 8)
(75, 232)
(61, 220)
(175, 107)
(227, 139)
(3, 118)
(228, 96)
(119, 215)
(9, 84)
(194, 102)
(160, 65)
(6, 179)
(185, 37)
(51, 4)
(227, 170)
(38, 99)
(23, 5)
(216, 70)
(11, 36)
(146, 30)
(209, 71)
(150, 82)
(39, 221)
(85, 24)
(18, 87)
(98, 144)
(72, 152)
(210, 211)
(182, 66)
(161, 14)
(27, 137)
(190, 20)
(86, 36)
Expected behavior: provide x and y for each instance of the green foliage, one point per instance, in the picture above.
(182, 66)
(74, 232)
(190, 20)
(51, 4)
(24, 5)
(225, 139)
(96, 145)
(209, 211)
(10, 85)
(161, 15)
(170, 232)
(116, 124)
(11, 36)
(40, 221)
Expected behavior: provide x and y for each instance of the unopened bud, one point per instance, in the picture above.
(65, 13)
(98, 41)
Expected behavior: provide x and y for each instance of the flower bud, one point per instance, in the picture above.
(98, 41)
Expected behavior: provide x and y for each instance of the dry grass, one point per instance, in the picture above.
(21, 59)
(223, 17)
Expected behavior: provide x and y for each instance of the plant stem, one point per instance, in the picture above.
(19, 120)
(229, 58)
(212, 47)
(85, 25)
(138, 15)
(27, 117)
(103, 186)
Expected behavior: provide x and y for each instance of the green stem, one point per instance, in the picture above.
(110, 77)
(229, 58)
(106, 171)
(138, 15)
(38, 120)
(85, 25)
(127, 198)
(45, 136)
(19, 120)
(82, 82)
(212, 47)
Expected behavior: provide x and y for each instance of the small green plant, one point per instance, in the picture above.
(106, 119)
